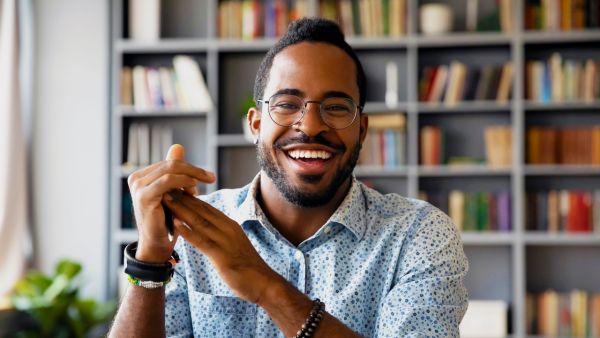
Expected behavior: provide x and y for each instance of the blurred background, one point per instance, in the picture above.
(488, 109)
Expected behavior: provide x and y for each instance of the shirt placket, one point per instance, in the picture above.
(297, 269)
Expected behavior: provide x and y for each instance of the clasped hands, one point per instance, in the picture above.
(220, 238)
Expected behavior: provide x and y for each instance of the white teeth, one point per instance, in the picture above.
(309, 154)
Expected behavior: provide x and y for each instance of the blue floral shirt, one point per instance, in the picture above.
(384, 265)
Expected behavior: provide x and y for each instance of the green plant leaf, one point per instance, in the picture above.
(68, 268)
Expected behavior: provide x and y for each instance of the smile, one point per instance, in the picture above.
(309, 154)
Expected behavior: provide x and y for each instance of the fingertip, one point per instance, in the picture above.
(176, 152)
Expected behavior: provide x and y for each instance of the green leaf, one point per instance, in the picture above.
(68, 268)
(59, 284)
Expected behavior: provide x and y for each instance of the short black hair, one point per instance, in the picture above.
(309, 30)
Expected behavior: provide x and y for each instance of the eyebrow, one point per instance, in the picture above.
(298, 92)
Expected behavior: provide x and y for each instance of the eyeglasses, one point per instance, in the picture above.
(287, 110)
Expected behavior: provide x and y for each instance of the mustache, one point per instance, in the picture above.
(305, 139)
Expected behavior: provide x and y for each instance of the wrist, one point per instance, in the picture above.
(156, 253)
(280, 293)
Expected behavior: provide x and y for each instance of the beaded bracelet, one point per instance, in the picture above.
(148, 284)
(313, 320)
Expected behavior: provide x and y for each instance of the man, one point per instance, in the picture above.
(254, 259)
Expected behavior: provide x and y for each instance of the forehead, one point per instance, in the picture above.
(313, 68)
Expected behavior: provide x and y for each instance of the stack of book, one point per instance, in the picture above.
(571, 145)
(181, 87)
(456, 82)
(559, 80)
(385, 143)
(563, 210)
(498, 146)
(553, 314)
(147, 144)
(368, 18)
(474, 211)
(252, 19)
(562, 14)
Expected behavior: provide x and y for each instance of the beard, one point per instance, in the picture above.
(293, 194)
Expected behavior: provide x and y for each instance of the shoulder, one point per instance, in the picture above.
(403, 213)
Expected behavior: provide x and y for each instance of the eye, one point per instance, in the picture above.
(286, 105)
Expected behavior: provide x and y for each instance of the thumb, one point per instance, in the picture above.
(176, 152)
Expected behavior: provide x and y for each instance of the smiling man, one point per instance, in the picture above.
(304, 250)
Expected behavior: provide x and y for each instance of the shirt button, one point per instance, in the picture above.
(299, 255)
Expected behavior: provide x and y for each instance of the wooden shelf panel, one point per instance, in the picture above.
(562, 170)
(159, 112)
(545, 238)
(488, 238)
(461, 170)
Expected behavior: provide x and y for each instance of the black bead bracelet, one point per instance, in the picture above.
(312, 322)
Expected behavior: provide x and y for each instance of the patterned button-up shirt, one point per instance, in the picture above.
(384, 265)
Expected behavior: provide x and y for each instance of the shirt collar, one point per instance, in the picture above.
(350, 213)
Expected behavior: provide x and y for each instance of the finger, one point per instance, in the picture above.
(189, 214)
(176, 167)
(166, 183)
(176, 152)
(204, 244)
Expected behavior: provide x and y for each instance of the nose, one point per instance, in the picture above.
(311, 123)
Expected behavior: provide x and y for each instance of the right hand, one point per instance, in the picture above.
(147, 187)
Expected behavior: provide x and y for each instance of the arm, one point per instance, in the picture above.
(222, 240)
(428, 298)
(142, 311)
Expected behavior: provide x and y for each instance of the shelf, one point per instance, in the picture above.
(539, 106)
(383, 108)
(487, 238)
(132, 112)
(377, 171)
(533, 37)
(233, 140)
(465, 39)
(463, 107)
(379, 43)
(545, 238)
(559, 170)
(461, 170)
(163, 46)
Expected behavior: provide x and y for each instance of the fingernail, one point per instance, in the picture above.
(168, 197)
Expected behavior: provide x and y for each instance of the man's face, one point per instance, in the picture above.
(312, 71)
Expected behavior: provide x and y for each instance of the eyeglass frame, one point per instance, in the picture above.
(303, 110)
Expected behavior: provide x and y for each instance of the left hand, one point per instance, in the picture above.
(224, 242)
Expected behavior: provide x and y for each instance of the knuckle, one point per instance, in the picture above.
(171, 165)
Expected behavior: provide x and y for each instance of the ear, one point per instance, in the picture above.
(254, 118)
(364, 125)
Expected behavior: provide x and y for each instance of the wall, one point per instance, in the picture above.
(70, 139)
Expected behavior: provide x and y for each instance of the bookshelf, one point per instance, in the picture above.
(503, 265)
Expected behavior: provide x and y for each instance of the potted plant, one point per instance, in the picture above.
(55, 308)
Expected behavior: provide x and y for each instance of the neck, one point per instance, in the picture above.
(296, 223)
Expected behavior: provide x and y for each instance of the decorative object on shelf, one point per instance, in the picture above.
(436, 19)
(245, 106)
(144, 20)
(485, 319)
(472, 14)
(56, 307)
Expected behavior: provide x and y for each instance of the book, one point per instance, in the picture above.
(193, 84)
(385, 143)
(572, 211)
(557, 145)
(126, 86)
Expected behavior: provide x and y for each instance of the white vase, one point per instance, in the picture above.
(436, 19)
(144, 20)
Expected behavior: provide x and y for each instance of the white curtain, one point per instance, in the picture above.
(13, 170)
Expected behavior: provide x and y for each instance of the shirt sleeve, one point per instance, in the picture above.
(428, 298)
(177, 310)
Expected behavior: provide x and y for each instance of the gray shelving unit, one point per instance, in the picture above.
(503, 265)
